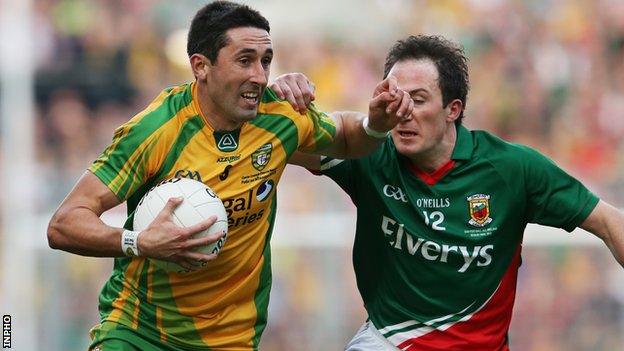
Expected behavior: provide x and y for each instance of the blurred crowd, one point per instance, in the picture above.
(547, 73)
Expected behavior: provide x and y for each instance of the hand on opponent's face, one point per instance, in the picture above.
(387, 107)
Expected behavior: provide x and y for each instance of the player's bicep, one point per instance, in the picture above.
(599, 220)
(90, 193)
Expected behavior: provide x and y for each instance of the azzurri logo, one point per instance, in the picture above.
(264, 190)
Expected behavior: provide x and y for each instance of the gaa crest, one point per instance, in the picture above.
(479, 208)
(260, 158)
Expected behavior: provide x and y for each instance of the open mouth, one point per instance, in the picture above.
(407, 134)
(251, 98)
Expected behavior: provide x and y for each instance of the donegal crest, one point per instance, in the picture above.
(260, 158)
(479, 207)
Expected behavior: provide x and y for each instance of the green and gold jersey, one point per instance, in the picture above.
(436, 260)
(223, 306)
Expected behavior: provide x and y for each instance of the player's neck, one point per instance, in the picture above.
(211, 114)
(433, 159)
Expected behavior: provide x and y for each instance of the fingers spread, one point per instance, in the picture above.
(201, 226)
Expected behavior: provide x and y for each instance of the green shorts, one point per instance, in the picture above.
(110, 336)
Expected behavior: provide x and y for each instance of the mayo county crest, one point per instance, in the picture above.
(479, 207)
(260, 158)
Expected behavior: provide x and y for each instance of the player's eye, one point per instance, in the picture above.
(266, 62)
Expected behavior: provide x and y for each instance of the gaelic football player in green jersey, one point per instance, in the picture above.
(441, 212)
(229, 131)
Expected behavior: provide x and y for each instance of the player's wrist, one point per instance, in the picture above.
(130, 243)
(373, 132)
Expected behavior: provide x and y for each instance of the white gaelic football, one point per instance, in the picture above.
(200, 202)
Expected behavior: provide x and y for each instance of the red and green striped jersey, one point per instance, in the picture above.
(436, 261)
(223, 306)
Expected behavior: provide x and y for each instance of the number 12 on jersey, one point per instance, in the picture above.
(434, 219)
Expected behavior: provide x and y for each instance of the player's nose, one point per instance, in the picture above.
(259, 75)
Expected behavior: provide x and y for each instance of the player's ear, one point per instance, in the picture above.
(453, 110)
(200, 66)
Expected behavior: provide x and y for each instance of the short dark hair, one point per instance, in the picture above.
(449, 59)
(209, 26)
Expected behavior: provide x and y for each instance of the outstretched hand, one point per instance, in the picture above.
(295, 88)
(389, 105)
(164, 240)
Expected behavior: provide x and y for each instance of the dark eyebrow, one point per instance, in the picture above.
(246, 51)
(418, 90)
(253, 51)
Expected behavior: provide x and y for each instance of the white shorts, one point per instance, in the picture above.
(368, 338)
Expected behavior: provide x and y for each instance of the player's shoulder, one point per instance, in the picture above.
(172, 103)
(491, 145)
(167, 104)
(506, 154)
(175, 97)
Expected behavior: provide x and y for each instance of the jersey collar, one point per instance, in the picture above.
(464, 144)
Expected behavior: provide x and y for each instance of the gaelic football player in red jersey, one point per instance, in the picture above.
(443, 210)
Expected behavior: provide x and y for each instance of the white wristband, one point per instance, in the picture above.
(130, 243)
(373, 133)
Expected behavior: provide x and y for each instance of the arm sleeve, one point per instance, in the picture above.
(317, 130)
(341, 172)
(554, 198)
(135, 154)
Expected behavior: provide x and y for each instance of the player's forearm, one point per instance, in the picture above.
(615, 235)
(607, 222)
(81, 231)
(354, 142)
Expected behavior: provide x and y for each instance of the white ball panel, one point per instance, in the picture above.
(202, 197)
(188, 187)
(167, 191)
(141, 217)
(154, 204)
(212, 208)
(198, 205)
(186, 214)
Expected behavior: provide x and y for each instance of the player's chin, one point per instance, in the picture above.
(406, 147)
(403, 141)
(245, 115)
